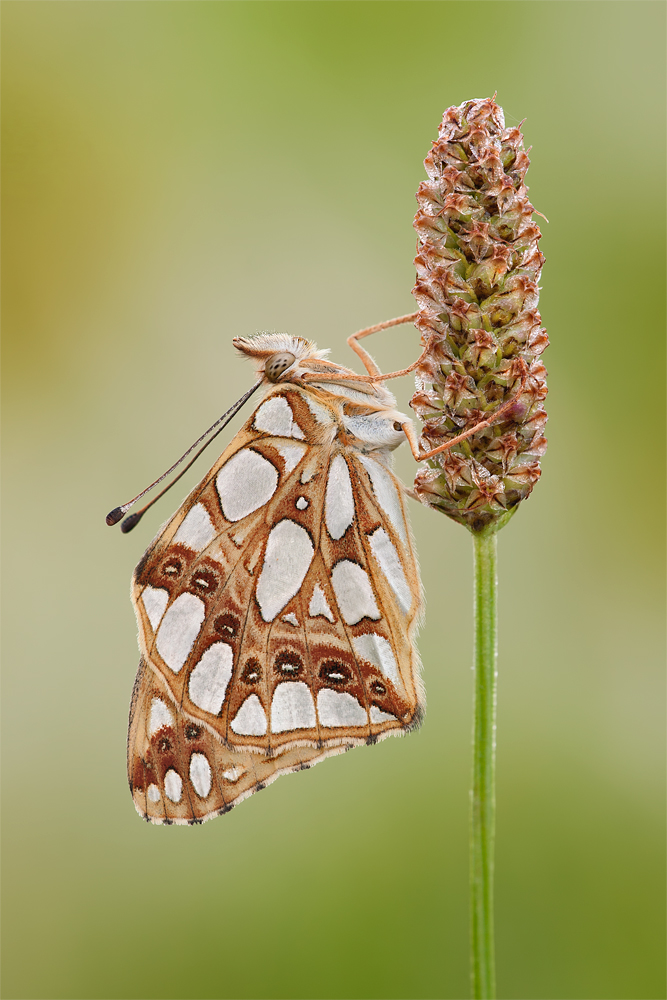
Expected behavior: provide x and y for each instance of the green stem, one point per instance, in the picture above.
(483, 796)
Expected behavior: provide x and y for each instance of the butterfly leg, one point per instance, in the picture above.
(411, 434)
(375, 375)
(368, 362)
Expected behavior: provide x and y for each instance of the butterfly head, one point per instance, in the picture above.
(279, 356)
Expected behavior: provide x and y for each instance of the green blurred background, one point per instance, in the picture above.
(179, 173)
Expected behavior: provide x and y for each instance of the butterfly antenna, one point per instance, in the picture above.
(114, 516)
(132, 520)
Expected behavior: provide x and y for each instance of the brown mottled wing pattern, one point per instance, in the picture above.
(277, 612)
(179, 773)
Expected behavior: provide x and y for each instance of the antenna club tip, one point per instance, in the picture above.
(114, 516)
(130, 522)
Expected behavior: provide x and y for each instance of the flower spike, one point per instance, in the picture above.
(478, 266)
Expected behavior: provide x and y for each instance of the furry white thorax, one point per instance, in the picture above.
(263, 345)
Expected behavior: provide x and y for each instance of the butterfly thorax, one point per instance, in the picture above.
(364, 413)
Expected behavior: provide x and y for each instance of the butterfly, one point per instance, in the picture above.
(278, 608)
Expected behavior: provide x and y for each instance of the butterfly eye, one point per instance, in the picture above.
(277, 364)
(397, 426)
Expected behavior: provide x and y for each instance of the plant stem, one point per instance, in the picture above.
(483, 795)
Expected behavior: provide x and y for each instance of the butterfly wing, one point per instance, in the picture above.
(179, 773)
(277, 609)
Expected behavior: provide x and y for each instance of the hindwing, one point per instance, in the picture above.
(179, 773)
